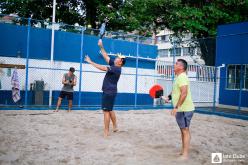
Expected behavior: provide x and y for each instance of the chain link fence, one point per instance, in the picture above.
(220, 88)
(41, 80)
(41, 62)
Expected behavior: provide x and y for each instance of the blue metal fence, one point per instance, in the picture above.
(31, 48)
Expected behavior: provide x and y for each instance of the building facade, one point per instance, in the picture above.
(186, 48)
(232, 55)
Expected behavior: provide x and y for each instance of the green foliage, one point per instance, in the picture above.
(149, 15)
(200, 17)
(66, 10)
(144, 17)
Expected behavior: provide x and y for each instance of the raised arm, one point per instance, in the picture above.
(100, 67)
(104, 53)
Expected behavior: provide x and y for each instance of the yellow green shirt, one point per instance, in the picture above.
(182, 80)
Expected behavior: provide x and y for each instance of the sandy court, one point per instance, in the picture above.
(147, 137)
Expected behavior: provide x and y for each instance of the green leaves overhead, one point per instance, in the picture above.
(145, 17)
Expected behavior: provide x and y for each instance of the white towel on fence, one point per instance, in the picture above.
(16, 96)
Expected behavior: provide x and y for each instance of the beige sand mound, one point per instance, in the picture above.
(149, 137)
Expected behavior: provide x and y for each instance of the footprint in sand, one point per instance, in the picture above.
(101, 149)
(195, 151)
(158, 147)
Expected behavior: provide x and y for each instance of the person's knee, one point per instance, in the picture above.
(106, 113)
(185, 131)
(112, 113)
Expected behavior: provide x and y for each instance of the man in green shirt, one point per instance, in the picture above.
(182, 103)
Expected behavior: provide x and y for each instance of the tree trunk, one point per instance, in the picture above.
(208, 50)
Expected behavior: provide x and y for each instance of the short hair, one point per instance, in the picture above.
(122, 57)
(72, 69)
(184, 62)
(123, 61)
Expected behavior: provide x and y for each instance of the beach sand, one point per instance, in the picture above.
(145, 137)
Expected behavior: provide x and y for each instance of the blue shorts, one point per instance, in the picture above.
(108, 101)
(184, 118)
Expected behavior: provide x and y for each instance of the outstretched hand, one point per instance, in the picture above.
(100, 43)
(165, 98)
(87, 59)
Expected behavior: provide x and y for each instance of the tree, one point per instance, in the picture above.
(145, 17)
(199, 17)
(148, 16)
(83, 12)
(202, 17)
(66, 10)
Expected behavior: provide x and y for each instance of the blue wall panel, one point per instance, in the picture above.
(6, 97)
(67, 46)
(232, 41)
(232, 48)
(91, 49)
(40, 43)
(87, 98)
(13, 39)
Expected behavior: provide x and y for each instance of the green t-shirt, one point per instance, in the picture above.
(182, 80)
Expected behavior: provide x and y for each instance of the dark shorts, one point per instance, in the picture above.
(184, 118)
(108, 101)
(64, 94)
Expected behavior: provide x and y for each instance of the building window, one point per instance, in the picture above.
(234, 76)
(188, 51)
(246, 77)
(163, 53)
(165, 38)
(176, 52)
